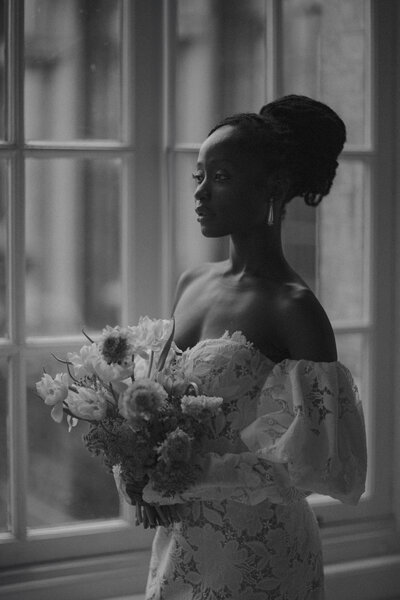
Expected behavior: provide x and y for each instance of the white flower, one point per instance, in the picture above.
(90, 362)
(112, 373)
(151, 334)
(54, 392)
(83, 364)
(141, 367)
(86, 403)
(197, 406)
(117, 345)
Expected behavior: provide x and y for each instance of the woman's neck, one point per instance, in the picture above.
(259, 254)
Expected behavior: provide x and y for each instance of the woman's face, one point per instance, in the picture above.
(231, 191)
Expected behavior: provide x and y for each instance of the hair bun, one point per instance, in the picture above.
(315, 136)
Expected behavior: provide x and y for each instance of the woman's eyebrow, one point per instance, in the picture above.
(216, 160)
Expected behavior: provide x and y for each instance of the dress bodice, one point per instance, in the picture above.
(232, 368)
(294, 425)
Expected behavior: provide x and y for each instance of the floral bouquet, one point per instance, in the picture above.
(144, 420)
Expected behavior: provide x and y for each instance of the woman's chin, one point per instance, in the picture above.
(210, 232)
(210, 228)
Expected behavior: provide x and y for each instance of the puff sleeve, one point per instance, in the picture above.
(307, 435)
(310, 419)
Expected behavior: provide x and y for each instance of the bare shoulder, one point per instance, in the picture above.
(304, 325)
(198, 276)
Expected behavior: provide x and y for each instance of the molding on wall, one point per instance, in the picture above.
(368, 579)
(123, 577)
(89, 579)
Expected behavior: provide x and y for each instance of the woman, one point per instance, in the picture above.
(257, 336)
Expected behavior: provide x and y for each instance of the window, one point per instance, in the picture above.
(67, 162)
(323, 50)
(103, 106)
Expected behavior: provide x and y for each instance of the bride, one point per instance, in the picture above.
(255, 334)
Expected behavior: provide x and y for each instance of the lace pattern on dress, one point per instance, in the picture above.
(247, 533)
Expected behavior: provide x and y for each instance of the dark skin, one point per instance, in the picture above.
(283, 319)
(255, 290)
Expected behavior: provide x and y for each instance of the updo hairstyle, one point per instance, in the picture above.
(316, 136)
(299, 138)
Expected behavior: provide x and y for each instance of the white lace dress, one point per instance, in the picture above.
(247, 531)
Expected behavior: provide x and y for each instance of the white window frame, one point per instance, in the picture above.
(372, 528)
(112, 555)
(101, 560)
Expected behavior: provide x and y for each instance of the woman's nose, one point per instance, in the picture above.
(202, 190)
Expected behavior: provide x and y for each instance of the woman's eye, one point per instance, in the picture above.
(220, 176)
(198, 177)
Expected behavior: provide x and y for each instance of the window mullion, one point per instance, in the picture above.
(128, 201)
(273, 45)
(16, 278)
(168, 150)
(383, 206)
(144, 258)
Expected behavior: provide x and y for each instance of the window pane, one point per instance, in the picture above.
(326, 51)
(3, 87)
(353, 350)
(4, 479)
(64, 479)
(72, 245)
(220, 63)
(343, 223)
(299, 234)
(190, 247)
(3, 246)
(72, 69)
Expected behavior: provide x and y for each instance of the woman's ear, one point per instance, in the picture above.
(281, 187)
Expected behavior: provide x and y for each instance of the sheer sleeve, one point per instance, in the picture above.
(310, 419)
(307, 436)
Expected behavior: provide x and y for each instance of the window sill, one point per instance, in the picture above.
(123, 576)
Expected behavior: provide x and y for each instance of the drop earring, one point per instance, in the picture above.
(270, 219)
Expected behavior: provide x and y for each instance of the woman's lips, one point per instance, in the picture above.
(203, 214)
(204, 218)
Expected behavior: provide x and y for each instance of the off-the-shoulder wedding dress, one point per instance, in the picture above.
(286, 430)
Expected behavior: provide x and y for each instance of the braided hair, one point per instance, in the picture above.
(317, 136)
(297, 137)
